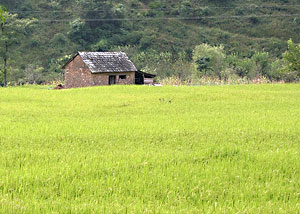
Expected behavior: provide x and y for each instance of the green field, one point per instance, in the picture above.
(140, 149)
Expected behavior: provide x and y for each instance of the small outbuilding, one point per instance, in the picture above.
(103, 68)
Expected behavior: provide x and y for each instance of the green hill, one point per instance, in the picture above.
(150, 31)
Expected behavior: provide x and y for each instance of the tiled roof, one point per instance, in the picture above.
(99, 62)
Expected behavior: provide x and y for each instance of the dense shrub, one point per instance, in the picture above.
(212, 62)
(292, 58)
(209, 60)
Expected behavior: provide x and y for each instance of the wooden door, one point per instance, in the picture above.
(112, 80)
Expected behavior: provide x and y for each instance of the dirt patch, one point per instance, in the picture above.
(59, 87)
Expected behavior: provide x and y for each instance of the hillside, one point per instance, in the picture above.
(150, 31)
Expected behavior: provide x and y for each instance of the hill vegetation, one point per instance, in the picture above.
(160, 36)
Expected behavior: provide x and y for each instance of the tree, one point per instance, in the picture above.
(12, 31)
(3, 18)
(292, 58)
(209, 60)
(105, 24)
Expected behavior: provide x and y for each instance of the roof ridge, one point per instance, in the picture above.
(98, 52)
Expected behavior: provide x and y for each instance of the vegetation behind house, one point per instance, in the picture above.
(162, 37)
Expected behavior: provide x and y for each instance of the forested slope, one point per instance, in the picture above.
(155, 34)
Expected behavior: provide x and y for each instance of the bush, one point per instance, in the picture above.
(33, 74)
(247, 68)
(291, 76)
(292, 58)
(276, 71)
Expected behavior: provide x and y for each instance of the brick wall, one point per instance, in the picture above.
(77, 75)
(103, 78)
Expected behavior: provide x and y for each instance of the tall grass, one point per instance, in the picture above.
(231, 80)
(140, 149)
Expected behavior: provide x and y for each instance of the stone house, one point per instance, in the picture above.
(102, 68)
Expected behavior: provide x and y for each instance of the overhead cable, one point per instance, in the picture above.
(171, 18)
(160, 9)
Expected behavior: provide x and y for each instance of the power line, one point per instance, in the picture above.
(161, 9)
(172, 18)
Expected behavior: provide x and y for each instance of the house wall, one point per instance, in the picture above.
(103, 78)
(148, 81)
(77, 75)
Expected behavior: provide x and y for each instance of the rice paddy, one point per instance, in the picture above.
(140, 149)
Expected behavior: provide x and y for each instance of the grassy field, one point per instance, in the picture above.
(139, 149)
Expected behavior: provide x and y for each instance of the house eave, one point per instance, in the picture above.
(146, 74)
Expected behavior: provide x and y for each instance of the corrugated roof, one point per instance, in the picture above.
(99, 62)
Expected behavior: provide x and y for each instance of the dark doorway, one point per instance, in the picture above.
(139, 78)
(112, 80)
